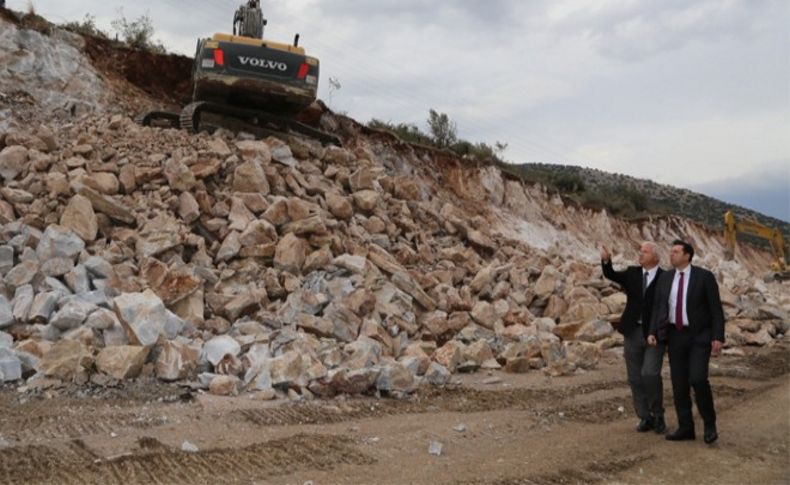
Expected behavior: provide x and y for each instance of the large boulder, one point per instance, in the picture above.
(366, 200)
(217, 348)
(145, 318)
(6, 259)
(230, 247)
(249, 177)
(355, 381)
(286, 370)
(585, 310)
(547, 282)
(43, 305)
(175, 360)
(71, 315)
(59, 242)
(179, 177)
(339, 206)
(258, 232)
(67, 360)
(6, 313)
(12, 162)
(584, 355)
(290, 254)
(10, 366)
(484, 314)
(395, 377)
(22, 274)
(449, 355)
(224, 385)
(254, 150)
(437, 375)
(594, 330)
(122, 362)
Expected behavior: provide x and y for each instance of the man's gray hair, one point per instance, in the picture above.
(653, 247)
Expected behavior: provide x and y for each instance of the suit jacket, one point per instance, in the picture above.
(636, 306)
(703, 306)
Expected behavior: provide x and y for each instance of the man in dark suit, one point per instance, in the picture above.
(642, 363)
(688, 315)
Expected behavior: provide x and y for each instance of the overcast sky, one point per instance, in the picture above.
(690, 93)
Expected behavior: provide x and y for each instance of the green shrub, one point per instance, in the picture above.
(138, 33)
(86, 27)
(405, 131)
(443, 130)
(568, 182)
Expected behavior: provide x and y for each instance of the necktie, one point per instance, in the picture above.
(679, 305)
(644, 283)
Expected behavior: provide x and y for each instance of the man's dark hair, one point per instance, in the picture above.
(687, 248)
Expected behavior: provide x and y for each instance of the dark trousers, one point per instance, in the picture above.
(643, 366)
(689, 356)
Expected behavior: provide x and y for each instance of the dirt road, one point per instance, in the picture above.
(524, 429)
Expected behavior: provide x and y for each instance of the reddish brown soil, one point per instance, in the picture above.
(165, 77)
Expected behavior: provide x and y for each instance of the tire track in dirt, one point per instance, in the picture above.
(762, 366)
(453, 400)
(156, 463)
(594, 472)
(545, 404)
(30, 419)
(49, 427)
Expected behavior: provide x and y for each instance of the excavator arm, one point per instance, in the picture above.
(248, 20)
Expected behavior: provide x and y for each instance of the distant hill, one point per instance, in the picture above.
(630, 197)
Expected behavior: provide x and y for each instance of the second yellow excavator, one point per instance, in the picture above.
(733, 227)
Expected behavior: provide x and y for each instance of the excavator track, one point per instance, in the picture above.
(191, 120)
(158, 118)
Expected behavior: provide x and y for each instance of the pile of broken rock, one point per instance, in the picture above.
(244, 265)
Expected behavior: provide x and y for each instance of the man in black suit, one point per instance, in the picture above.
(642, 363)
(688, 315)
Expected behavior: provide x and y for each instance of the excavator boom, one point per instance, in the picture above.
(248, 20)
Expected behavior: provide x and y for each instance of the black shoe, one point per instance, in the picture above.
(710, 434)
(659, 425)
(681, 435)
(645, 425)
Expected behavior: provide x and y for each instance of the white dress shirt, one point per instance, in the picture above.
(673, 295)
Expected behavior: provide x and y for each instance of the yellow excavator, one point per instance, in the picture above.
(733, 227)
(244, 82)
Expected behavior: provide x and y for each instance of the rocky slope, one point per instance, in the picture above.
(280, 266)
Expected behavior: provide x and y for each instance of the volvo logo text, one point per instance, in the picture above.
(264, 63)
